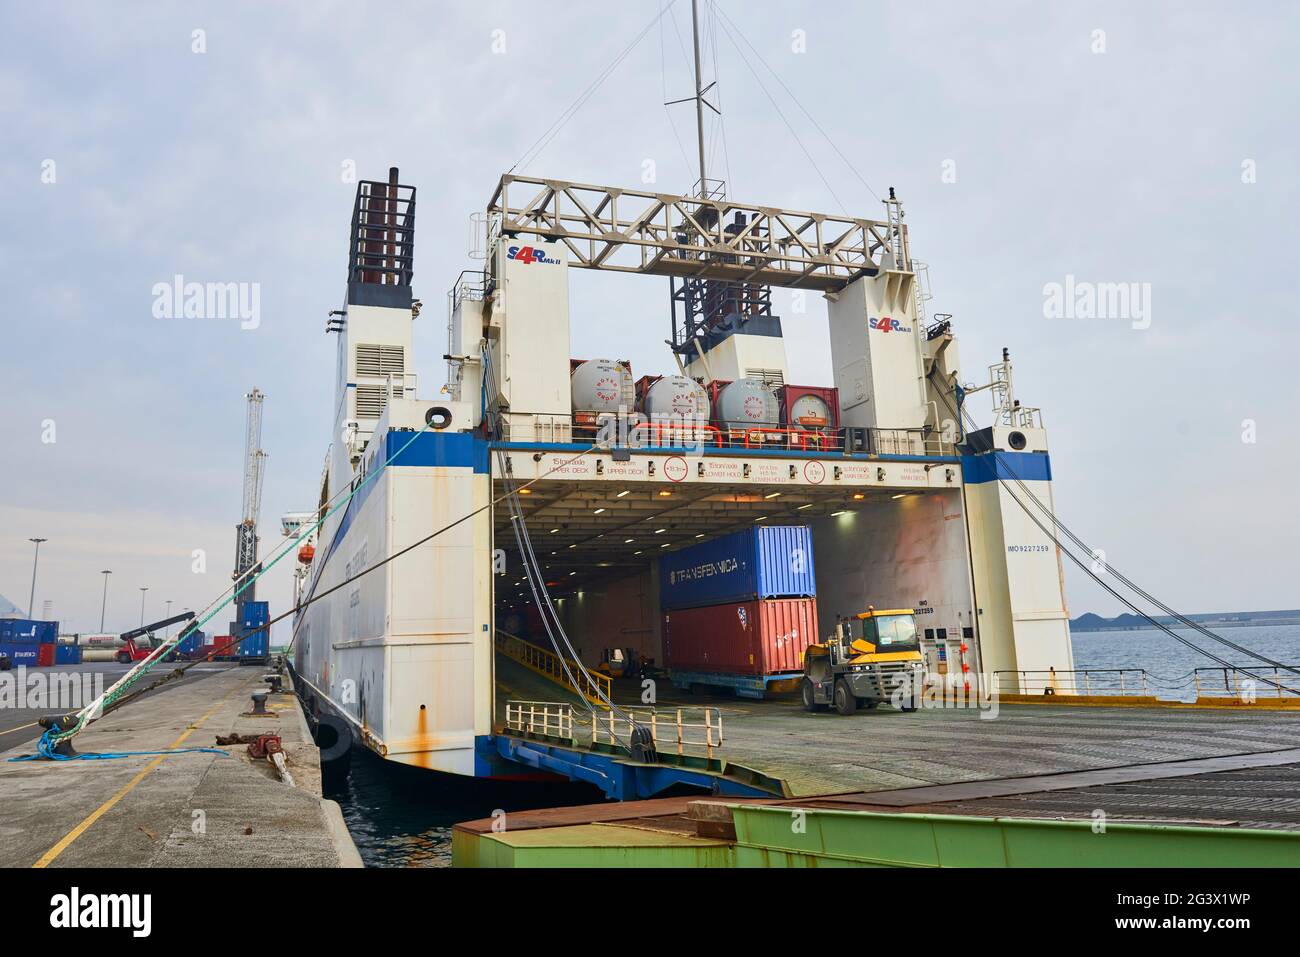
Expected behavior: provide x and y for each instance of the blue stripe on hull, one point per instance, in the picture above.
(412, 450)
(438, 449)
(1007, 466)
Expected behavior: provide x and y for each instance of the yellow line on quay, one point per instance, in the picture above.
(48, 857)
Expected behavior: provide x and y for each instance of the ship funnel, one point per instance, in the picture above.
(382, 244)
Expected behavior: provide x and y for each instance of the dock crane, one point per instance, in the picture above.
(138, 643)
(246, 540)
(247, 564)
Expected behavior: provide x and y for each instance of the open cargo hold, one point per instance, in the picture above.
(752, 638)
(774, 561)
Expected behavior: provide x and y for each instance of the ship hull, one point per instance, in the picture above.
(401, 656)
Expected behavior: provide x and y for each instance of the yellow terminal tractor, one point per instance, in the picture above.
(869, 657)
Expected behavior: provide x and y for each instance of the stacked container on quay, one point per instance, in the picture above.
(739, 611)
(27, 642)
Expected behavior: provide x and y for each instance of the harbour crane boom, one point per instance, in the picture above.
(246, 531)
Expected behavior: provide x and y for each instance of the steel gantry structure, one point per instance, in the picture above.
(707, 237)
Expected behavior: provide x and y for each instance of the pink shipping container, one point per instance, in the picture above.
(763, 637)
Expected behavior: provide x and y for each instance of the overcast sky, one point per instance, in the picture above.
(1027, 145)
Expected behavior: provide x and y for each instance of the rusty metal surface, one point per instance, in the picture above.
(1069, 780)
(1259, 797)
(664, 824)
(1249, 791)
(582, 814)
(264, 745)
(820, 754)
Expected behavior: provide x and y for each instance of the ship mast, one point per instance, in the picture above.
(699, 92)
(702, 188)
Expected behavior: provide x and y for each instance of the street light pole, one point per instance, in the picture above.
(104, 605)
(168, 630)
(31, 599)
(143, 589)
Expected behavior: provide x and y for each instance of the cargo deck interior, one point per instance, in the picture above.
(600, 543)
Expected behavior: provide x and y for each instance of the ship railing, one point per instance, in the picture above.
(681, 729)
(591, 685)
(1086, 681)
(594, 427)
(543, 719)
(1205, 682)
(635, 433)
(471, 284)
(682, 434)
(1238, 683)
(398, 384)
(802, 440)
(907, 442)
(553, 428)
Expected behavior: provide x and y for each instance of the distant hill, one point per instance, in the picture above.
(1090, 622)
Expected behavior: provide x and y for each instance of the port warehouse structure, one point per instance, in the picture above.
(907, 518)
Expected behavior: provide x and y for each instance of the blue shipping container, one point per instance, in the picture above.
(24, 630)
(21, 654)
(255, 614)
(190, 643)
(773, 561)
(67, 655)
(256, 646)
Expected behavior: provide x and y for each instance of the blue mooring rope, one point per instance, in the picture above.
(45, 751)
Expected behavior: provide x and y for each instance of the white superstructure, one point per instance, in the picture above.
(402, 655)
(907, 510)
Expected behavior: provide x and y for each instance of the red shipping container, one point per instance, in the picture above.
(45, 657)
(643, 385)
(822, 414)
(764, 637)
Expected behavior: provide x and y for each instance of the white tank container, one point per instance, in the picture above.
(748, 404)
(602, 385)
(810, 412)
(676, 398)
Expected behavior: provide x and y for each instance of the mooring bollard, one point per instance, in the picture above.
(259, 703)
(58, 723)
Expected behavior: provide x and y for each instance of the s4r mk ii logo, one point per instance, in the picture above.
(885, 324)
(530, 254)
